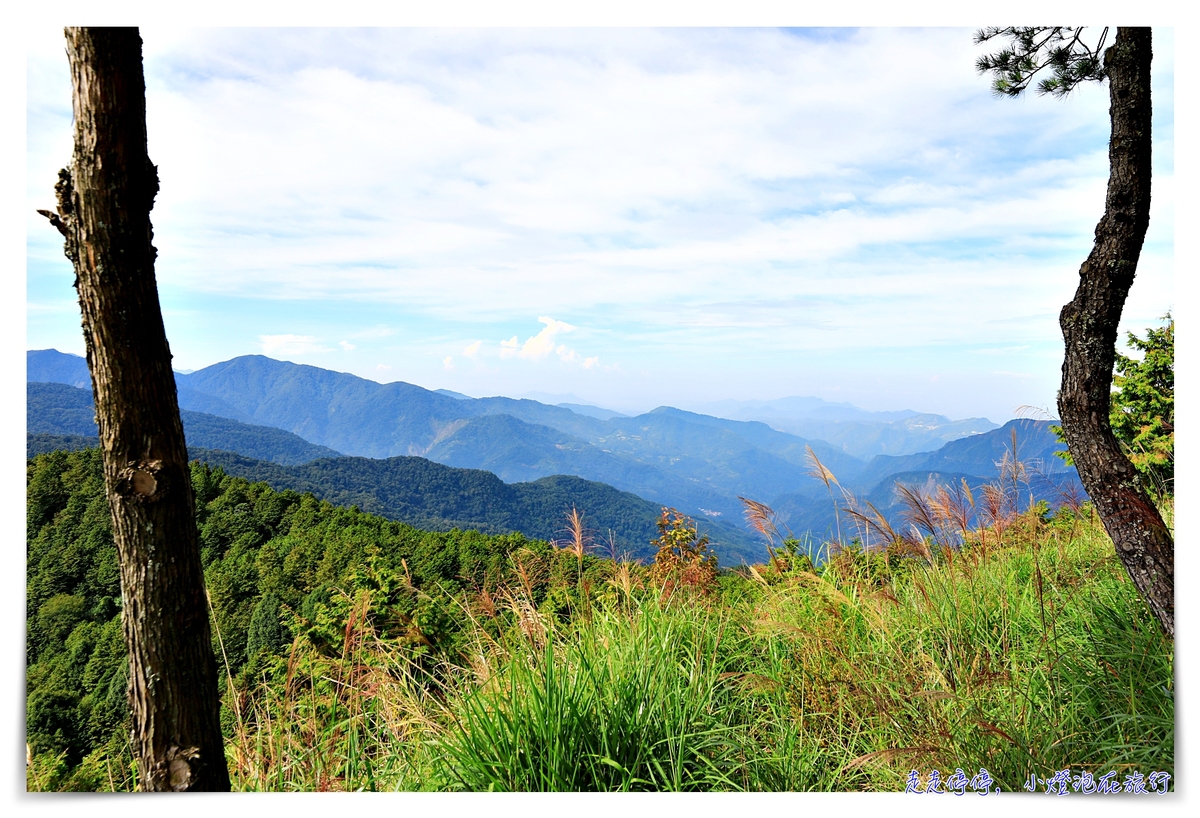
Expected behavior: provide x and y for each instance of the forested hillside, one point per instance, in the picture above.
(262, 550)
(431, 496)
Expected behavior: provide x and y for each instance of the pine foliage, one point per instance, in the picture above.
(1143, 405)
(1063, 50)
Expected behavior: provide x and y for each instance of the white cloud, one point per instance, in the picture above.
(448, 363)
(587, 167)
(541, 346)
(291, 344)
(570, 356)
(749, 191)
(347, 346)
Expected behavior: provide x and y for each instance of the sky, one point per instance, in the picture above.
(629, 217)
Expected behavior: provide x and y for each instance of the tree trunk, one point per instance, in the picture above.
(1089, 324)
(104, 204)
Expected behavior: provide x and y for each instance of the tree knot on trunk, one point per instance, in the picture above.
(142, 480)
(180, 767)
(63, 220)
(56, 222)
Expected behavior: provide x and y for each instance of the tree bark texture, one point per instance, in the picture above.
(104, 204)
(1089, 324)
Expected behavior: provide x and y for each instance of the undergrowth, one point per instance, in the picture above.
(1032, 655)
(980, 637)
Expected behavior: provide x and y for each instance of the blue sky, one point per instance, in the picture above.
(631, 216)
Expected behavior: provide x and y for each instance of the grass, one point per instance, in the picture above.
(622, 703)
(1032, 655)
(1020, 648)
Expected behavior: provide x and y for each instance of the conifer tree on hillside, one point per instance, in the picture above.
(1143, 405)
(1089, 322)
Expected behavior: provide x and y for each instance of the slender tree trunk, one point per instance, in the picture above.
(1089, 324)
(104, 204)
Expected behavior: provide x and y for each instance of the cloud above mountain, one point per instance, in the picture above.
(711, 208)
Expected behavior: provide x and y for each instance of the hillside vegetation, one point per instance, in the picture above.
(362, 653)
(434, 497)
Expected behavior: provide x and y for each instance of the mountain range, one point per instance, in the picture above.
(59, 409)
(855, 431)
(291, 414)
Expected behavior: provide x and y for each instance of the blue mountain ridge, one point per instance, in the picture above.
(59, 409)
(698, 463)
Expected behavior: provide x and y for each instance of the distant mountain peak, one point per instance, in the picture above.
(52, 366)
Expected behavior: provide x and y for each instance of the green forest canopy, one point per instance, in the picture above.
(264, 552)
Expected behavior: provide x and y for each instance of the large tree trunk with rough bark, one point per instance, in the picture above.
(104, 204)
(1089, 324)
